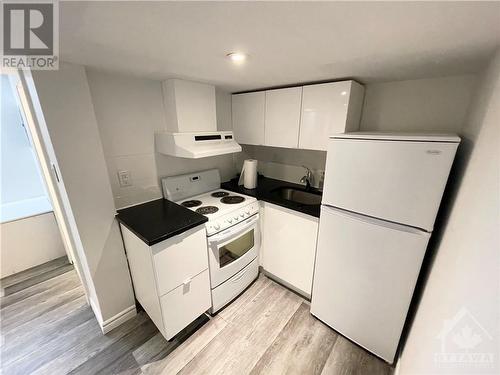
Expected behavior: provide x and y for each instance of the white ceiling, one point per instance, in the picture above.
(288, 42)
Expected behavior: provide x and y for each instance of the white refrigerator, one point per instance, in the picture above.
(380, 199)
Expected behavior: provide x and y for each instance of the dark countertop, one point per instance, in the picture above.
(264, 192)
(158, 220)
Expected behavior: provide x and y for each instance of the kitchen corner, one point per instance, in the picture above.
(201, 246)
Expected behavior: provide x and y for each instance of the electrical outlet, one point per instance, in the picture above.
(124, 178)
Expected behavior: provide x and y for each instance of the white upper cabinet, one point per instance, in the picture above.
(189, 106)
(248, 117)
(282, 118)
(328, 109)
(297, 117)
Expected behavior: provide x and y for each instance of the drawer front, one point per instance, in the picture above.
(225, 292)
(180, 258)
(185, 303)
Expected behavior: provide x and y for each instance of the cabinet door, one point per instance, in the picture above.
(188, 249)
(185, 303)
(282, 117)
(328, 109)
(289, 246)
(248, 117)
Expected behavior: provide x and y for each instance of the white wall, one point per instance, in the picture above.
(69, 114)
(29, 242)
(434, 104)
(423, 105)
(465, 271)
(129, 110)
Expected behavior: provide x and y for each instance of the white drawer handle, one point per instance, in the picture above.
(240, 276)
(186, 282)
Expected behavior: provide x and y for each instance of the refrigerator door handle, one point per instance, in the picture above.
(375, 221)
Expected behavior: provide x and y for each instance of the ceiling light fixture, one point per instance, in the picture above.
(236, 57)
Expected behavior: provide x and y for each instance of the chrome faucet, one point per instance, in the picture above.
(307, 179)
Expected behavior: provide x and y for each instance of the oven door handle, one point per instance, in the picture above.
(222, 236)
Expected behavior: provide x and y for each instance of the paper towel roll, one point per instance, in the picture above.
(249, 174)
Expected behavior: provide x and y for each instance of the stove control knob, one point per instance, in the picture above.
(248, 212)
(242, 215)
(236, 218)
(229, 220)
(216, 226)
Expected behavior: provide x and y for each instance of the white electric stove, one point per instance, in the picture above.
(222, 208)
(233, 232)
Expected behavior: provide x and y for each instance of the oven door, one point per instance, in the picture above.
(231, 250)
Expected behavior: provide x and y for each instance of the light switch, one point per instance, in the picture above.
(124, 178)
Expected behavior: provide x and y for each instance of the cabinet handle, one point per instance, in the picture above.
(186, 282)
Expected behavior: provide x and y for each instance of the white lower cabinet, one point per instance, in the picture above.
(182, 305)
(171, 278)
(182, 256)
(289, 246)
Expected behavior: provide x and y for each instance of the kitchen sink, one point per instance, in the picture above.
(298, 196)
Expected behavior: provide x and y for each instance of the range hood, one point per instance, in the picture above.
(191, 129)
(197, 144)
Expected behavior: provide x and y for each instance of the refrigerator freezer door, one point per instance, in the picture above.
(364, 277)
(399, 181)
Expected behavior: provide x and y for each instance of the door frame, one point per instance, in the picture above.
(32, 111)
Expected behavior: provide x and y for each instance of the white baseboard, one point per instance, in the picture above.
(118, 319)
(114, 321)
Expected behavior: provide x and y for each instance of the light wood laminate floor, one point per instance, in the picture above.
(47, 328)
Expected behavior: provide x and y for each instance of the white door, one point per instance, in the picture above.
(364, 277)
(327, 109)
(399, 181)
(283, 117)
(248, 117)
(29, 102)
